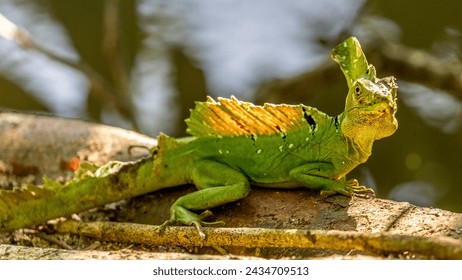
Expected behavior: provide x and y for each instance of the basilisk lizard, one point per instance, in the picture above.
(234, 144)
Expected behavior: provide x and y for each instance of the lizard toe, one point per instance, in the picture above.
(362, 191)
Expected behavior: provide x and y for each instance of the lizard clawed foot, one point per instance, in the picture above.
(199, 222)
(184, 216)
(163, 226)
(355, 189)
(348, 188)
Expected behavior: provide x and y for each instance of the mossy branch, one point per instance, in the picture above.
(378, 243)
(32, 205)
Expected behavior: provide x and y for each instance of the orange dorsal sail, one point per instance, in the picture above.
(229, 117)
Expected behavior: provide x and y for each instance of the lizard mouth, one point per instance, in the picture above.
(383, 113)
(377, 108)
(383, 108)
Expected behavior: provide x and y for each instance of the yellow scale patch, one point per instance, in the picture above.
(233, 117)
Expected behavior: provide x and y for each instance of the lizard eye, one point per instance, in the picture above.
(357, 91)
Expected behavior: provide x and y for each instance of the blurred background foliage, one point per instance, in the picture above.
(142, 64)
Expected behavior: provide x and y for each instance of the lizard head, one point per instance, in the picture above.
(371, 102)
(370, 108)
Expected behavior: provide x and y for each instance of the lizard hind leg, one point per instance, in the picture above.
(217, 184)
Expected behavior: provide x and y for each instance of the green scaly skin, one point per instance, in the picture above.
(314, 150)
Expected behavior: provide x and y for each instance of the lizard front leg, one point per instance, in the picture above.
(217, 184)
(320, 176)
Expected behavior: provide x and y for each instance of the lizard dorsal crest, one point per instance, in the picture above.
(227, 117)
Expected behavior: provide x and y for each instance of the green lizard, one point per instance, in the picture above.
(234, 144)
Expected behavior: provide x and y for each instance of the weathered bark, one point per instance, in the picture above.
(38, 145)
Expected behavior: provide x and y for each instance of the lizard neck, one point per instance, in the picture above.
(360, 137)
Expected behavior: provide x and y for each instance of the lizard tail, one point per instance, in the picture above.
(33, 205)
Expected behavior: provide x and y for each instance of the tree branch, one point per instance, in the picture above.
(378, 243)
